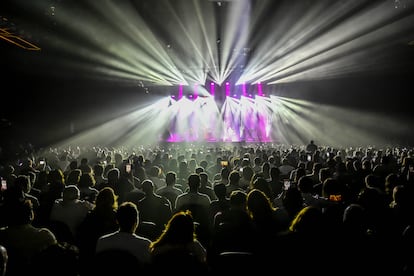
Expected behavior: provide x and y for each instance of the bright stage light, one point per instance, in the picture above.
(227, 89)
(201, 44)
(298, 41)
(180, 91)
(212, 89)
(244, 89)
(320, 41)
(259, 89)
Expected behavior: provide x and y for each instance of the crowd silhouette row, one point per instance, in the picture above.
(208, 209)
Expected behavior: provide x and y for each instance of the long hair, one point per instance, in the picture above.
(106, 199)
(309, 220)
(259, 205)
(179, 230)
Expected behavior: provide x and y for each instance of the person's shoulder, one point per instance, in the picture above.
(86, 204)
(163, 199)
(203, 195)
(208, 189)
(181, 197)
(47, 234)
(178, 190)
(108, 236)
(161, 189)
(141, 239)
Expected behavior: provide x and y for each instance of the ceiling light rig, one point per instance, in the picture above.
(15, 39)
(399, 4)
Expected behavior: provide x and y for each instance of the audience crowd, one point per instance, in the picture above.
(207, 209)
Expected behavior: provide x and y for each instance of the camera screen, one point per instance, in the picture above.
(3, 185)
(335, 198)
(224, 163)
(286, 184)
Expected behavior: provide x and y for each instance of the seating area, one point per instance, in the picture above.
(252, 228)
